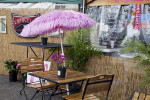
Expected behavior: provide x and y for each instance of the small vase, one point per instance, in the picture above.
(112, 43)
(44, 40)
(61, 70)
(13, 76)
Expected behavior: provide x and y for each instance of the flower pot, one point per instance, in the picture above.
(61, 71)
(44, 40)
(13, 76)
(112, 43)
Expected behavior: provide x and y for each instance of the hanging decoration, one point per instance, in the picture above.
(130, 25)
(136, 31)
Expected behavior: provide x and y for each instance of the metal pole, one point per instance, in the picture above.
(83, 5)
(27, 52)
(43, 53)
(33, 52)
(51, 54)
(62, 51)
(79, 7)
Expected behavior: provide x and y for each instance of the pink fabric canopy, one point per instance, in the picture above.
(60, 19)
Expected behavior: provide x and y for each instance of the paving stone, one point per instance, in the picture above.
(11, 91)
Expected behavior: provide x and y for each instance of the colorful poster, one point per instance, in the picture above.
(2, 24)
(19, 21)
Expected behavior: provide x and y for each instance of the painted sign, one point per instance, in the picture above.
(19, 21)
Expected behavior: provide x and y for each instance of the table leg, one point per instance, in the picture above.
(33, 52)
(51, 54)
(54, 90)
(43, 94)
(58, 50)
(67, 87)
(27, 52)
(43, 53)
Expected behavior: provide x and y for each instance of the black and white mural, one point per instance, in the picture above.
(119, 22)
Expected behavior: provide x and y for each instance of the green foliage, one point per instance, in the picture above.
(81, 49)
(11, 65)
(143, 54)
(143, 51)
(146, 80)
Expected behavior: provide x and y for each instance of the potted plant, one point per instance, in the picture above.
(81, 50)
(78, 54)
(13, 67)
(61, 64)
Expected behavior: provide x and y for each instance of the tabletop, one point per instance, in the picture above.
(39, 45)
(71, 76)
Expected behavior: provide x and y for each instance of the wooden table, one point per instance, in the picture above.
(71, 76)
(39, 45)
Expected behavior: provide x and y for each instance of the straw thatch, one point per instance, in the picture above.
(127, 75)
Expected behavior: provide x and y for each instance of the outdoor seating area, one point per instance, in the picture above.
(75, 50)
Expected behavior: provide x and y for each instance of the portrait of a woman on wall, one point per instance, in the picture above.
(2, 24)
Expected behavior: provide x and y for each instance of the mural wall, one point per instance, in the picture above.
(118, 23)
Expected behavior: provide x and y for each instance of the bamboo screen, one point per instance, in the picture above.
(127, 75)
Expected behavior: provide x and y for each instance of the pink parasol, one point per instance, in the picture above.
(65, 20)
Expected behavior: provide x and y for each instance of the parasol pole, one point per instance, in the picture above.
(61, 46)
(61, 43)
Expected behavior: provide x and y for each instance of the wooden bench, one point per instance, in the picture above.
(91, 86)
(139, 96)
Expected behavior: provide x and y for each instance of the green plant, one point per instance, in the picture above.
(12, 65)
(142, 51)
(142, 54)
(81, 49)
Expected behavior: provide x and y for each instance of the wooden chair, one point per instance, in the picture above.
(139, 96)
(91, 87)
(33, 65)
